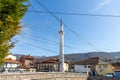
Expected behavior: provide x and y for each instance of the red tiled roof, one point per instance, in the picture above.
(116, 65)
(12, 61)
(51, 60)
(28, 57)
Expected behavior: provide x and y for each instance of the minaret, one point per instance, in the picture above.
(61, 54)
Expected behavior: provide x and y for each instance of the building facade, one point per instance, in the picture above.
(94, 66)
(104, 67)
(50, 65)
(116, 66)
(28, 61)
(10, 64)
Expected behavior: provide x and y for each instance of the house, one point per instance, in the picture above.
(50, 65)
(104, 67)
(86, 66)
(10, 64)
(94, 66)
(28, 63)
(116, 66)
(10, 56)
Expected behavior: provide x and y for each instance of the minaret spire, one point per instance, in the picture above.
(61, 25)
(61, 54)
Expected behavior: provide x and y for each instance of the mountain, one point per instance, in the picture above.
(115, 54)
(18, 55)
(80, 56)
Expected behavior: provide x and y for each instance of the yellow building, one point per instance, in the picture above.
(104, 67)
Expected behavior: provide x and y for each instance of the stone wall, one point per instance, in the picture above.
(43, 76)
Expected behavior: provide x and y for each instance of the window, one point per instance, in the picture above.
(105, 66)
(85, 66)
(89, 66)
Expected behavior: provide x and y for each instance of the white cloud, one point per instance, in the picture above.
(103, 3)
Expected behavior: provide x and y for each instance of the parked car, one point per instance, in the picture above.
(109, 75)
(117, 75)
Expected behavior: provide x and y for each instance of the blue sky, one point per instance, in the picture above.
(41, 29)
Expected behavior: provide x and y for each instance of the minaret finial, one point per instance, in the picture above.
(61, 25)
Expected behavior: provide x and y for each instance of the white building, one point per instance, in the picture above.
(10, 56)
(82, 68)
(10, 64)
(87, 66)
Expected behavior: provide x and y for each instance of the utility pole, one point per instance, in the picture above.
(61, 50)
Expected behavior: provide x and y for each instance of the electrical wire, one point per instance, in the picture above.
(53, 41)
(48, 26)
(75, 33)
(45, 49)
(47, 41)
(77, 14)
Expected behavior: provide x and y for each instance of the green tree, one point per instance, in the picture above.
(11, 13)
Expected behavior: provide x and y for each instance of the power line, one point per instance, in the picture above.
(45, 29)
(48, 26)
(52, 41)
(77, 14)
(45, 49)
(66, 25)
(43, 38)
(34, 37)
